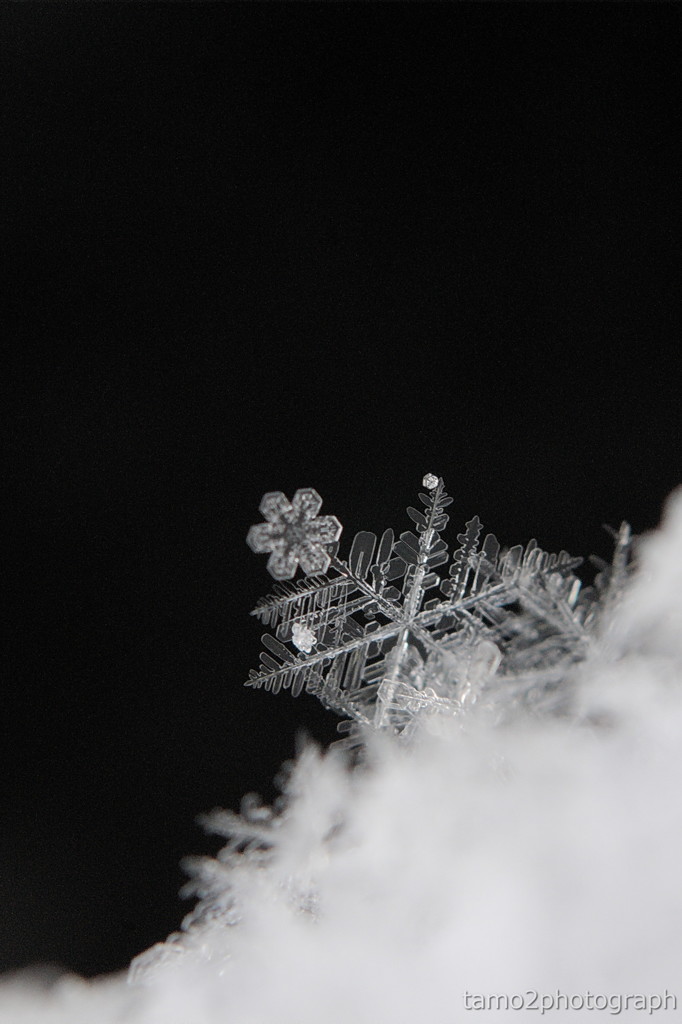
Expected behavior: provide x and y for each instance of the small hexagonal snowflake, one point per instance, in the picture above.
(294, 533)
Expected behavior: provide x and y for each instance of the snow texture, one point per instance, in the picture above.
(536, 850)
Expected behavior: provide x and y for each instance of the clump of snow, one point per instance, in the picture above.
(541, 854)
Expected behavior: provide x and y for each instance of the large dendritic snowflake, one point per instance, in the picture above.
(366, 636)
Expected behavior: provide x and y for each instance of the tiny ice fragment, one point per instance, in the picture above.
(303, 637)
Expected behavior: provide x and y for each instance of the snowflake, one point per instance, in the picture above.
(374, 641)
(303, 638)
(294, 533)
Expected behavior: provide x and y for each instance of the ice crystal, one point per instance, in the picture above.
(383, 638)
(303, 637)
(294, 533)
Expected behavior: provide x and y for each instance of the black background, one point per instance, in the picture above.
(259, 247)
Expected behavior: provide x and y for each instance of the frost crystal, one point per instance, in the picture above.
(303, 638)
(294, 533)
(383, 638)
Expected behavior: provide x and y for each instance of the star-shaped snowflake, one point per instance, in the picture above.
(294, 533)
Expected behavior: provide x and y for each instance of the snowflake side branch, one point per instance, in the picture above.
(304, 589)
(391, 609)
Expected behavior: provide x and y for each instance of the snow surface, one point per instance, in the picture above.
(544, 854)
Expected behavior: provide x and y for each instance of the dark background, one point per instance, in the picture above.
(258, 247)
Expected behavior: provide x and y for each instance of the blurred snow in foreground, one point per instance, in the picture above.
(542, 854)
